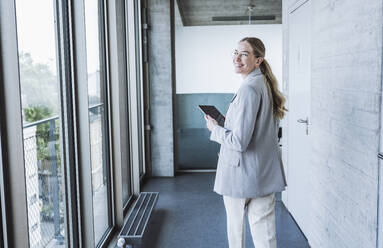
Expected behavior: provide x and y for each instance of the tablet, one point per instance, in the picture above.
(213, 113)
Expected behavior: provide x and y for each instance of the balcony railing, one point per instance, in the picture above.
(44, 179)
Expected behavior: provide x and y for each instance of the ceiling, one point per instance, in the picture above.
(201, 12)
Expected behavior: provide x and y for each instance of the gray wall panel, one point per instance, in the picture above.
(193, 148)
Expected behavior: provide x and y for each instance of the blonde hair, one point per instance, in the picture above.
(276, 97)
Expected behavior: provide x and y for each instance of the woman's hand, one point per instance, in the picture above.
(210, 123)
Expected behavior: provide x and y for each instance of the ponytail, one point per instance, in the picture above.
(276, 97)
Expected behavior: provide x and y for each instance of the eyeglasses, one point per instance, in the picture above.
(244, 54)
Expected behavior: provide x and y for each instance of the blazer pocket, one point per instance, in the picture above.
(234, 162)
(230, 157)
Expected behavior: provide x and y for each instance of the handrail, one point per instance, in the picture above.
(36, 123)
(39, 122)
(54, 173)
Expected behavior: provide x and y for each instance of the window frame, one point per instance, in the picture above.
(68, 131)
(11, 126)
(140, 80)
(134, 94)
(122, 44)
(3, 214)
(125, 123)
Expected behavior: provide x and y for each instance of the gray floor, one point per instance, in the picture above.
(190, 214)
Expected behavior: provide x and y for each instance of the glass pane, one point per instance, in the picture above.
(97, 118)
(139, 79)
(1, 225)
(40, 109)
(1, 212)
(126, 176)
(126, 187)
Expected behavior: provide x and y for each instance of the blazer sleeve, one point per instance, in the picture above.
(243, 116)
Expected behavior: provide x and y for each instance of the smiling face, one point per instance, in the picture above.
(244, 59)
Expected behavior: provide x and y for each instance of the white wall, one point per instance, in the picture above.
(203, 56)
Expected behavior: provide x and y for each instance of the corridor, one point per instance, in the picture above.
(189, 214)
(99, 101)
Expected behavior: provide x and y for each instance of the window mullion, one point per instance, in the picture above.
(134, 98)
(82, 136)
(68, 130)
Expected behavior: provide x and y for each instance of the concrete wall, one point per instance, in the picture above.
(345, 104)
(161, 87)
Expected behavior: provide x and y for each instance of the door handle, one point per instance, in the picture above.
(303, 121)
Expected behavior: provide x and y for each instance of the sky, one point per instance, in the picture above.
(36, 31)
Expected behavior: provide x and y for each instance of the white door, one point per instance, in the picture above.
(299, 112)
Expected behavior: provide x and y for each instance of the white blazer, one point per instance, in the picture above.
(249, 163)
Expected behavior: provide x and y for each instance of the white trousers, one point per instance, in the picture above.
(261, 215)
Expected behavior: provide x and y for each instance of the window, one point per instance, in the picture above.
(139, 81)
(2, 218)
(1, 225)
(126, 167)
(98, 116)
(60, 117)
(41, 122)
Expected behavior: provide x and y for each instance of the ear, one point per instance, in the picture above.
(259, 60)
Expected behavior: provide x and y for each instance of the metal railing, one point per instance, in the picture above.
(49, 218)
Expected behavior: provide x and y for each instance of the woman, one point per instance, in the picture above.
(250, 168)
